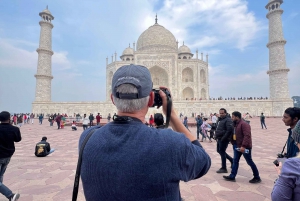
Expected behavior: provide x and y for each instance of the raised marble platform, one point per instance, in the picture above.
(51, 178)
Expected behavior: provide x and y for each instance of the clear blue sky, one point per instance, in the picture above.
(233, 32)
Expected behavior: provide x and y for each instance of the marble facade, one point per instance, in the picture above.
(184, 73)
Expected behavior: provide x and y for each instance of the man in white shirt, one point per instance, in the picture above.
(85, 122)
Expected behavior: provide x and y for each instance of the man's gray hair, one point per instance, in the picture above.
(129, 105)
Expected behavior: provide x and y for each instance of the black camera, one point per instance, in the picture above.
(280, 155)
(157, 99)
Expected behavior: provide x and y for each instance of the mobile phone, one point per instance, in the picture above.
(276, 163)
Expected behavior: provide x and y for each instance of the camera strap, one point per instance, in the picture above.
(169, 109)
(284, 147)
(78, 169)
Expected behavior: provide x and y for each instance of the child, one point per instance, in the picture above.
(74, 128)
(205, 126)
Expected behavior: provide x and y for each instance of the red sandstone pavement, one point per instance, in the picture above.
(51, 178)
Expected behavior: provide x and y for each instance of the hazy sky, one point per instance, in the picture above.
(233, 32)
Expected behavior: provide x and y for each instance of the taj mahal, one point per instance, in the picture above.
(185, 73)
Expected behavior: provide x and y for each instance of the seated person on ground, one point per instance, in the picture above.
(42, 148)
(74, 128)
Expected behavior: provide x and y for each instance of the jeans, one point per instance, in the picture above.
(41, 121)
(3, 189)
(91, 123)
(263, 124)
(248, 158)
(74, 128)
(199, 131)
(51, 151)
(51, 123)
(221, 149)
(58, 125)
(84, 127)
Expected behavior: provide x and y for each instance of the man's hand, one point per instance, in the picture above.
(278, 168)
(164, 99)
(242, 149)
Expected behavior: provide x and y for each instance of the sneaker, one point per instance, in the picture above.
(221, 170)
(228, 178)
(255, 180)
(14, 197)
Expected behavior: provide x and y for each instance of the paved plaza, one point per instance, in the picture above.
(51, 178)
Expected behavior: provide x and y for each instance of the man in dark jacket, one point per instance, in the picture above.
(242, 140)
(199, 123)
(290, 118)
(58, 120)
(223, 136)
(8, 135)
(43, 148)
(91, 118)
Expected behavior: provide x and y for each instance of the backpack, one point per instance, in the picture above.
(40, 150)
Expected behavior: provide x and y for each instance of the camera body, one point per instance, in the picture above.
(280, 155)
(157, 99)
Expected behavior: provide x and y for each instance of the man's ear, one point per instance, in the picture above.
(151, 99)
(112, 99)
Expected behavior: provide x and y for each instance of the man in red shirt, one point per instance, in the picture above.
(98, 117)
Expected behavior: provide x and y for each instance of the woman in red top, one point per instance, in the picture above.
(151, 121)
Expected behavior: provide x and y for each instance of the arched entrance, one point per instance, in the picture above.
(187, 75)
(187, 93)
(159, 77)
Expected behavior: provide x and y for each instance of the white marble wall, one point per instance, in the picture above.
(268, 107)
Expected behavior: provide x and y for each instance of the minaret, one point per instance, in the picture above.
(44, 74)
(278, 72)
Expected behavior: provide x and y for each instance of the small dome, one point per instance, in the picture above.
(46, 11)
(128, 51)
(184, 49)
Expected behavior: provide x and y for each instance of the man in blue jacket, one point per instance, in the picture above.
(199, 123)
(8, 136)
(126, 160)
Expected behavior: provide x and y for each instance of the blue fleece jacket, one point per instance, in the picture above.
(134, 162)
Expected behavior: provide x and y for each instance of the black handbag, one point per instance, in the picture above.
(78, 169)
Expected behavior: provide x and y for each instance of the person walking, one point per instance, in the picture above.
(242, 145)
(58, 120)
(41, 117)
(262, 121)
(98, 118)
(199, 122)
(223, 135)
(51, 120)
(91, 118)
(108, 118)
(85, 122)
(205, 127)
(9, 134)
(20, 120)
(185, 122)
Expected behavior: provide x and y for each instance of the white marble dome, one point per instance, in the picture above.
(128, 51)
(184, 49)
(157, 37)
